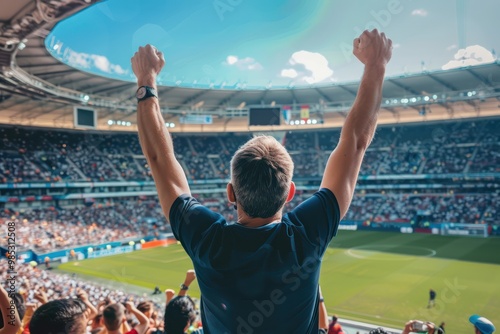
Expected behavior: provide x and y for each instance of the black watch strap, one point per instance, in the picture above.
(145, 92)
(184, 287)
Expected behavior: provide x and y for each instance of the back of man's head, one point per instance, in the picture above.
(62, 316)
(261, 174)
(179, 314)
(113, 316)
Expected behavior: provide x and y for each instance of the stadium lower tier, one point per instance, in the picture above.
(50, 228)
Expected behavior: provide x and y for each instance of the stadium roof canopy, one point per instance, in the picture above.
(37, 89)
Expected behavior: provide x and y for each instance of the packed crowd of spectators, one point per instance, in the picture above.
(48, 229)
(41, 155)
(436, 208)
(46, 304)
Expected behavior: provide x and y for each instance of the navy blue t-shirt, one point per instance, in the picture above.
(258, 280)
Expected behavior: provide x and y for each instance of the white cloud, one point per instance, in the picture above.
(289, 73)
(419, 12)
(118, 69)
(101, 62)
(470, 56)
(78, 59)
(396, 46)
(248, 63)
(231, 60)
(316, 66)
(451, 47)
(92, 61)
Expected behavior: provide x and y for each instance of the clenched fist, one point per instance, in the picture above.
(147, 63)
(372, 48)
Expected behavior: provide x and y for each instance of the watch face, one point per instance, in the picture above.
(141, 92)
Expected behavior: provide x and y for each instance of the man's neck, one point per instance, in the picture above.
(245, 220)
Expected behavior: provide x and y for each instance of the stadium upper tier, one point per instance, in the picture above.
(28, 154)
(36, 87)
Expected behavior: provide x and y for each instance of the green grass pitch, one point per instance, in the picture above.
(380, 278)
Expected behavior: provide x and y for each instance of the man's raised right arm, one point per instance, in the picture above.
(374, 50)
(155, 140)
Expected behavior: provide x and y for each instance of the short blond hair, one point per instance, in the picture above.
(261, 174)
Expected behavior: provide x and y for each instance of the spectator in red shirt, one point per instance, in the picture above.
(335, 327)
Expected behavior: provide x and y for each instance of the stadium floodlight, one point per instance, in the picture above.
(413, 99)
(110, 122)
(314, 121)
(426, 98)
(434, 97)
(302, 122)
(308, 121)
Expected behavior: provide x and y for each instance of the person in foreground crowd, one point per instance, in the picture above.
(264, 269)
(60, 316)
(481, 324)
(114, 317)
(181, 310)
(9, 314)
(15, 303)
(417, 326)
(180, 315)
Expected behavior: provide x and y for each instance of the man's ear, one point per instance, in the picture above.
(230, 193)
(291, 192)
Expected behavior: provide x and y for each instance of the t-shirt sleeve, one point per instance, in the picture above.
(318, 217)
(191, 221)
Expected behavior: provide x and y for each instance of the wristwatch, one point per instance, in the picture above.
(184, 287)
(145, 92)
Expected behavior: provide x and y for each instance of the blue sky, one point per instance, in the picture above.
(263, 43)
